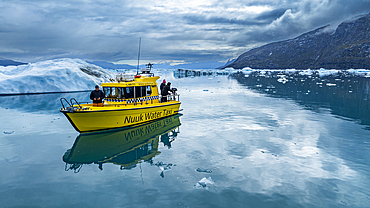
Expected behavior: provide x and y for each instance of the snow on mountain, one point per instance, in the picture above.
(342, 46)
(59, 75)
(7, 62)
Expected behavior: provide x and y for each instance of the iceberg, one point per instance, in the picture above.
(163, 167)
(203, 183)
(282, 79)
(59, 75)
(359, 72)
(290, 71)
(324, 72)
(307, 72)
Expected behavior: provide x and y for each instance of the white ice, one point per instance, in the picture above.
(323, 72)
(283, 73)
(203, 183)
(59, 75)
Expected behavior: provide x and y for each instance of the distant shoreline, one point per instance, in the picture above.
(39, 93)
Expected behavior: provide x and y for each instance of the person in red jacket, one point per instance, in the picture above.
(166, 91)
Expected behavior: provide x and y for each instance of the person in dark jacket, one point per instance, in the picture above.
(97, 96)
(166, 91)
(162, 85)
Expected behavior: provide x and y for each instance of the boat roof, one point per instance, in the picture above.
(140, 81)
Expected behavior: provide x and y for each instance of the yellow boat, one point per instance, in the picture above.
(130, 101)
(122, 147)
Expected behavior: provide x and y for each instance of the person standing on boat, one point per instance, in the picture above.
(97, 96)
(162, 85)
(166, 91)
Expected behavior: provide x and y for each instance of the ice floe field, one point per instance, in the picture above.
(253, 138)
(73, 75)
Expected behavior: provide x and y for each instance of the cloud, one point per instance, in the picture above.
(300, 18)
(171, 30)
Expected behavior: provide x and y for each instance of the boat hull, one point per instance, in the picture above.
(105, 118)
(122, 147)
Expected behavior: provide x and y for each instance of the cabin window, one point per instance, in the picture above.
(148, 90)
(113, 92)
(143, 91)
(119, 92)
(107, 91)
(129, 92)
(138, 92)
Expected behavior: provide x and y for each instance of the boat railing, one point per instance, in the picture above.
(72, 99)
(71, 103)
(65, 100)
(171, 97)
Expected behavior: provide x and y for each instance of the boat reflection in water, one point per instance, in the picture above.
(125, 148)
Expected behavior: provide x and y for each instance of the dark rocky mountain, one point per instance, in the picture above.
(348, 46)
(230, 61)
(7, 62)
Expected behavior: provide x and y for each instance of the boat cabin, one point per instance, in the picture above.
(131, 90)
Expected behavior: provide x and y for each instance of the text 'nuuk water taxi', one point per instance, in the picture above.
(129, 100)
(126, 147)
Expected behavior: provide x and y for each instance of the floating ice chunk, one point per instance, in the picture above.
(330, 84)
(247, 70)
(230, 69)
(290, 71)
(163, 167)
(351, 71)
(204, 170)
(203, 183)
(206, 181)
(323, 72)
(8, 132)
(306, 72)
(283, 80)
(360, 72)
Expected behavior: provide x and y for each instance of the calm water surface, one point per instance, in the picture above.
(241, 142)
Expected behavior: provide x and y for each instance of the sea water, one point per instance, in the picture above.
(242, 141)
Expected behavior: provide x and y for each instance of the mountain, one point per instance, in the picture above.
(200, 65)
(230, 61)
(348, 46)
(7, 62)
(109, 65)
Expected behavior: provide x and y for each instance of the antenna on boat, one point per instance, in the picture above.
(141, 174)
(138, 57)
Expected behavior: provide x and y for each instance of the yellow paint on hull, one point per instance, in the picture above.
(110, 117)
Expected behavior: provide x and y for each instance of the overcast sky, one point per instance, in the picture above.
(173, 31)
